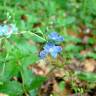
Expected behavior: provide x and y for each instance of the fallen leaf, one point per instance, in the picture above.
(89, 65)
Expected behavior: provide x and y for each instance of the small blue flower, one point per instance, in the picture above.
(48, 46)
(1, 33)
(55, 36)
(52, 49)
(13, 27)
(7, 30)
(43, 54)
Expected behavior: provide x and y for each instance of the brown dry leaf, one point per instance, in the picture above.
(59, 72)
(84, 52)
(74, 66)
(89, 65)
(57, 90)
(38, 24)
(72, 33)
(24, 17)
(41, 67)
(47, 88)
(85, 39)
(46, 66)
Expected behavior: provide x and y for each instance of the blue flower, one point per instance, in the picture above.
(52, 49)
(43, 54)
(7, 30)
(1, 33)
(55, 36)
(13, 27)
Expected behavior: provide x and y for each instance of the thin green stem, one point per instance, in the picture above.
(65, 31)
(84, 6)
(23, 82)
(3, 69)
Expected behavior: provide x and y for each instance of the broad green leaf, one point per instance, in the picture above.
(91, 55)
(90, 77)
(33, 92)
(27, 77)
(91, 40)
(12, 88)
(30, 59)
(37, 38)
(23, 45)
(72, 39)
(66, 21)
(8, 71)
(72, 47)
(90, 6)
(37, 82)
(30, 80)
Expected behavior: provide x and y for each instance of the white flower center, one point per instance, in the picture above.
(51, 50)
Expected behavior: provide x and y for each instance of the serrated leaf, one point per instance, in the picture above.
(30, 80)
(12, 88)
(27, 60)
(27, 77)
(37, 38)
(8, 71)
(23, 45)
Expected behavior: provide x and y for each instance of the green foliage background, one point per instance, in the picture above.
(16, 54)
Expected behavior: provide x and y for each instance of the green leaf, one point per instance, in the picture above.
(91, 55)
(91, 6)
(12, 88)
(72, 39)
(26, 48)
(37, 38)
(30, 80)
(62, 85)
(33, 92)
(27, 77)
(27, 60)
(66, 21)
(9, 70)
(90, 77)
(23, 45)
(69, 20)
(71, 47)
(91, 40)
(37, 81)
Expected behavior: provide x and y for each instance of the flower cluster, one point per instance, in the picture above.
(7, 30)
(51, 47)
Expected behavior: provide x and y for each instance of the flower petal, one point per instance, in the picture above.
(58, 48)
(43, 54)
(60, 38)
(48, 46)
(55, 50)
(53, 54)
(7, 30)
(55, 36)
